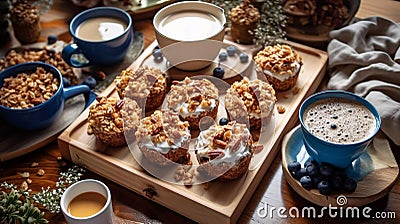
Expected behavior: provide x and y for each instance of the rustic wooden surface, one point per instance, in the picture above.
(273, 191)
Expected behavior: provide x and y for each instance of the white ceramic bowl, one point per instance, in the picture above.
(190, 54)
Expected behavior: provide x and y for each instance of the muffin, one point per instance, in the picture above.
(146, 85)
(25, 20)
(224, 151)
(244, 20)
(250, 101)
(280, 64)
(111, 119)
(193, 99)
(163, 138)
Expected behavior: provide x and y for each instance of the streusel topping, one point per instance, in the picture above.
(244, 14)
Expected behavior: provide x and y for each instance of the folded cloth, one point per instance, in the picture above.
(364, 58)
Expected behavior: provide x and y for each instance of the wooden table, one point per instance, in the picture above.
(273, 191)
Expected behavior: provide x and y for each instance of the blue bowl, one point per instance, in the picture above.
(338, 154)
(43, 114)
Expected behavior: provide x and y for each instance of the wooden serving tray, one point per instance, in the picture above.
(223, 201)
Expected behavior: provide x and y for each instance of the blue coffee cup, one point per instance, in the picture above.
(339, 154)
(84, 52)
(44, 114)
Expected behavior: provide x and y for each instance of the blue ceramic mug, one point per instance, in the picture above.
(44, 114)
(340, 154)
(87, 51)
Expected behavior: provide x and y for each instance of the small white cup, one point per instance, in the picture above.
(104, 216)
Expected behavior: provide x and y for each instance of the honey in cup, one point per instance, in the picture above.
(86, 204)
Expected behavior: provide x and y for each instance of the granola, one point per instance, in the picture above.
(47, 56)
(29, 89)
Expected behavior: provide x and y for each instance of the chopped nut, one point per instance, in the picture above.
(281, 109)
(24, 186)
(286, 95)
(41, 172)
(29, 181)
(296, 90)
(34, 164)
(24, 175)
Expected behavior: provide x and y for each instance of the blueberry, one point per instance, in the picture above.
(90, 81)
(218, 72)
(231, 50)
(66, 82)
(324, 187)
(349, 185)
(294, 166)
(326, 169)
(51, 39)
(316, 179)
(312, 170)
(157, 54)
(306, 182)
(223, 121)
(300, 173)
(310, 162)
(223, 56)
(243, 57)
(337, 182)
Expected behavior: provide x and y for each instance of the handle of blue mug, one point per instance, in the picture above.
(76, 90)
(68, 55)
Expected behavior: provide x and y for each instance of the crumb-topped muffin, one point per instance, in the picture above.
(252, 101)
(280, 64)
(224, 151)
(110, 119)
(146, 85)
(163, 138)
(193, 99)
(244, 19)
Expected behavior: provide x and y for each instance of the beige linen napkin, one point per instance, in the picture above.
(364, 58)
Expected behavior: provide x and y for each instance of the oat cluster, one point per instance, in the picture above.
(257, 96)
(278, 59)
(244, 14)
(140, 83)
(163, 126)
(111, 118)
(26, 90)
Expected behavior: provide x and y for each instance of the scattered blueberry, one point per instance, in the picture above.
(294, 166)
(316, 179)
(90, 81)
(299, 174)
(324, 187)
(349, 185)
(312, 170)
(231, 50)
(325, 169)
(337, 182)
(218, 72)
(223, 56)
(306, 182)
(310, 162)
(51, 39)
(243, 57)
(66, 82)
(157, 54)
(223, 121)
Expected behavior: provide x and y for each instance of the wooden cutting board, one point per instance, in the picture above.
(223, 201)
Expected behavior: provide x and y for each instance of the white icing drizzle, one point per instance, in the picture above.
(281, 77)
